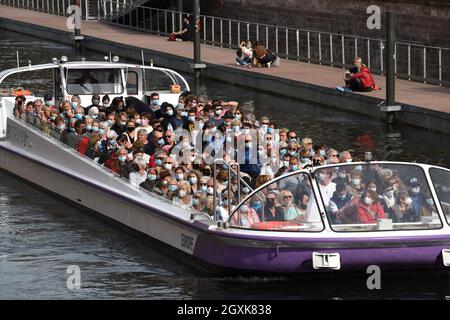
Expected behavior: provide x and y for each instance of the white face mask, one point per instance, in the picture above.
(210, 190)
(416, 190)
(368, 201)
(408, 201)
(182, 193)
(374, 189)
(356, 182)
(168, 166)
(341, 175)
(430, 201)
(322, 176)
(180, 176)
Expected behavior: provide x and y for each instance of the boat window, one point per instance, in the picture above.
(90, 81)
(38, 83)
(441, 181)
(157, 80)
(285, 205)
(132, 83)
(369, 197)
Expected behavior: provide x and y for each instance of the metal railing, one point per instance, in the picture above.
(430, 64)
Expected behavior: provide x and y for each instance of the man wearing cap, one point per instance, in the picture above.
(95, 103)
(415, 193)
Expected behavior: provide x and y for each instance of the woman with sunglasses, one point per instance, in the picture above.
(290, 211)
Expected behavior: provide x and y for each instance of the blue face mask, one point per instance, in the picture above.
(294, 167)
(158, 162)
(191, 118)
(74, 104)
(257, 205)
(79, 116)
(195, 201)
(322, 153)
(112, 142)
(172, 187)
(155, 102)
(95, 129)
(151, 177)
(122, 158)
(101, 131)
(161, 141)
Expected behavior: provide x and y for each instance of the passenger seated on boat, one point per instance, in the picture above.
(339, 200)
(169, 138)
(246, 217)
(120, 123)
(146, 119)
(301, 204)
(388, 200)
(57, 128)
(73, 138)
(140, 174)
(327, 188)
(76, 101)
(356, 187)
(428, 208)
(129, 134)
(199, 202)
(290, 211)
(370, 209)
(182, 197)
(162, 186)
(194, 180)
(88, 121)
(19, 107)
(92, 148)
(345, 157)
(415, 193)
(151, 181)
(404, 210)
(224, 207)
(291, 183)
(272, 209)
(30, 116)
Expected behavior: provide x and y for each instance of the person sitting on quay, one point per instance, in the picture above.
(186, 32)
(263, 56)
(359, 78)
(244, 54)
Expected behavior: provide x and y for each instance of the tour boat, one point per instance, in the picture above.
(321, 237)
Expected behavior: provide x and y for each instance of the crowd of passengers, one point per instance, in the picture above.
(137, 140)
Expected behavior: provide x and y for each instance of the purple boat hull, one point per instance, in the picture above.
(355, 254)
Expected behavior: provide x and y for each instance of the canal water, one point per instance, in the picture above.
(41, 236)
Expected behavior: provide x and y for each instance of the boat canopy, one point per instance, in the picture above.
(354, 197)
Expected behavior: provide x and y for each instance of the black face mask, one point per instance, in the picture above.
(130, 129)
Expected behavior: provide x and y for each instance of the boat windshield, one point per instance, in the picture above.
(377, 196)
(441, 181)
(90, 81)
(285, 205)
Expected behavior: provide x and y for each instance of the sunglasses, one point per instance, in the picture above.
(287, 197)
(266, 123)
(167, 136)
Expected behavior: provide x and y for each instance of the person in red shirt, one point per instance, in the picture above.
(369, 209)
(360, 78)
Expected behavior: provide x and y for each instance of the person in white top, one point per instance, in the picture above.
(327, 188)
(137, 177)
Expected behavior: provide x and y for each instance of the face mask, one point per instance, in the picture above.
(374, 189)
(72, 129)
(322, 153)
(138, 121)
(191, 118)
(237, 116)
(110, 122)
(172, 188)
(151, 177)
(184, 114)
(430, 202)
(236, 128)
(95, 129)
(285, 163)
(356, 182)
(349, 160)
(342, 197)
(322, 176)
(257, 205)
(293, 153)
(168, 166)
(248, 145)
(161, 141)
(89, 128)
(368, 201)
(210, 190)
(112, 142)
(245, 190)
(304, 160)
(294, 167)
(390, 194)
(416, 190)
(155, 102)
(218, 112)
(122, 158)
(180, 176)
(359, 168)
(264, 127)
(192, 180)
(130, 129)
(61, 127)
(408, 201)
(182, 193)
(158, 162)
(48, 103)
(195, 201)
(74, 104)
(95, 102)
(203, 188)
(243, 208)
(122, 123)
(169, 113)
(79, 116)
(341, 175)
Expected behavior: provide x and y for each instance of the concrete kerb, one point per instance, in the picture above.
(329, 97)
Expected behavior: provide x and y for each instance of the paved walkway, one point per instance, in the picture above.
(408, 92)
